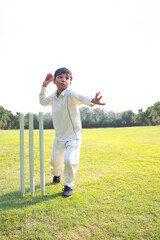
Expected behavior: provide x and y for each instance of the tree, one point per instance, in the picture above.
(35, 121)
(154, 114)
(48, 121)
(86, 117)
(140, 118)
(91, 117)
(128, 118)
(6, 119)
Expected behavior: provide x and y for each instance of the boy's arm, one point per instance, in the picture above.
(45, 101)
(81, 99)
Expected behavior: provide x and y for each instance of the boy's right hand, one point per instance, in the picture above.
(49, 78)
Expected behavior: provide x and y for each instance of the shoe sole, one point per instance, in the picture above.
(55, 182)
(66, 196)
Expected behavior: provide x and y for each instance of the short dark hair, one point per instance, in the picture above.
(62, 71)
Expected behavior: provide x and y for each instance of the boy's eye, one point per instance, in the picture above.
(66, 77)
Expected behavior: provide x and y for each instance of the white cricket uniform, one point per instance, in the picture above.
(68, 131)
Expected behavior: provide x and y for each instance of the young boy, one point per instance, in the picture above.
(67, 125)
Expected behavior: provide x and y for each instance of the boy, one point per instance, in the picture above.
(67, 125)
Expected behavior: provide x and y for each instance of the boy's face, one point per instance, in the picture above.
(62, 81)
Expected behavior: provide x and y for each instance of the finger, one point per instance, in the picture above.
(97, 94)
(101, 103)
(49, 80)
(99, 98)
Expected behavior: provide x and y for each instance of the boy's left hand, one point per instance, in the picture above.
(97, 99)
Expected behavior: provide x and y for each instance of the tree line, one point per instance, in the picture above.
(91, 118)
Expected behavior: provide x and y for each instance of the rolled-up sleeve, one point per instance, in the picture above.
(43, 100)
(81, 99)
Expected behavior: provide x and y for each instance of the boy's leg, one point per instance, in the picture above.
(71, 161)
(57, 158)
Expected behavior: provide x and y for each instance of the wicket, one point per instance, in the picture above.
(31, 154)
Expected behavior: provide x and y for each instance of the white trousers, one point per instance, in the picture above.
(66, 153)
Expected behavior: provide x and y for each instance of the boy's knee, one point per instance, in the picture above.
(67, 161)
(71, 165)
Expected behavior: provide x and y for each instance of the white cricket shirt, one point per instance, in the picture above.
(65, 112)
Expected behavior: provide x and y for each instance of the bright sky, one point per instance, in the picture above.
(112, 46)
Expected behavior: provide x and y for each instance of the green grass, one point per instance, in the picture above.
(117, 194)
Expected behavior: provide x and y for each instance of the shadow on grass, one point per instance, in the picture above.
(14, 200)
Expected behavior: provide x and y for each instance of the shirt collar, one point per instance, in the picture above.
(62, 94)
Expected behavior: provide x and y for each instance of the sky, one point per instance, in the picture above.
(111, 46)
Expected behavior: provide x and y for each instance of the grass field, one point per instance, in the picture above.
(117, 194)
